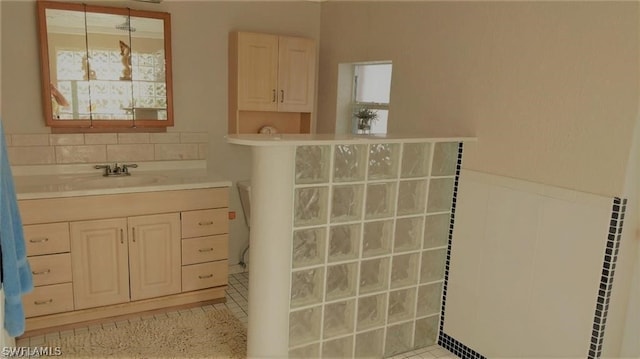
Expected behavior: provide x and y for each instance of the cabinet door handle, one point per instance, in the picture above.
(39, 240)
(281, 96)
(133, 234)
(207, 223)
(47, 271)
(202, 250)
(205, 276)
(273, 97)
(41, 302)
(121, 236)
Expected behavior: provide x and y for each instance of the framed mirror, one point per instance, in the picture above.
(104, 68)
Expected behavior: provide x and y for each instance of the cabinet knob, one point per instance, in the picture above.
(281, 96)
(206, 223)
(205, 250)
(205, 276)
(39, 240)
(273, 98)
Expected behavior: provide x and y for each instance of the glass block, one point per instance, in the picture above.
(350, 163)
(408, 234)
(310, 206)
(341, 281)
(412, 196)
(440, 195)
(383, 161)
(338, 348)
(309, 351)
(374, 275)
(312, 164)
(372, 311)
(377, 238)
(344, 242)
(338, 318)
(404, 270)
(304, 326)
(429, 298)
(369, 344)
(436, 230)
(347, 203)
(426, 331)
(398, 339)
(401, 305)
(306, 287)
(308, 247)
(445, 159)
(432, 267)
(380, 200)
(415, 160)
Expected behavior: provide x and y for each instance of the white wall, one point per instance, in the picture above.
(526, 262)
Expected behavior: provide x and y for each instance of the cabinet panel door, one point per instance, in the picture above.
(99, 262)
(296, 74)
(154, 255)
(257, 72)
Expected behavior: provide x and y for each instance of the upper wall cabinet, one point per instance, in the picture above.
(271, 83)
(105, 69)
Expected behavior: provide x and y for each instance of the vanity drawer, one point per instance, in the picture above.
(51, 269)
(204, 275)
(46, 238)
(205, 222)
(48, 299)
(205, 249)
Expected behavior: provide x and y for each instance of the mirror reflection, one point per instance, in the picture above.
(106, 66)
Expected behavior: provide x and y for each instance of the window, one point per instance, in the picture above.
(371, 88)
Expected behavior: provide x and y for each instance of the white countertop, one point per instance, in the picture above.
(35, 184)
(327, 139)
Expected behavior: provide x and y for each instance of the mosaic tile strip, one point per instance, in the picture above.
(458, 348)
(444, 339)
(606, 280)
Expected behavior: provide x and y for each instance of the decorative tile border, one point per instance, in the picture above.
(606, 280)
(444, 340)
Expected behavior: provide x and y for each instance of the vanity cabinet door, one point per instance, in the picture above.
(257, 72)
(99, 262)
(154, 255)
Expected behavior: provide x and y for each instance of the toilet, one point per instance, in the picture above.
(244, 189)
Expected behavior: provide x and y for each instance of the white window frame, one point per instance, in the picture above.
(355, 105)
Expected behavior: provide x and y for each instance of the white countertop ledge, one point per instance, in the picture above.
(88, 184)
(328, 139)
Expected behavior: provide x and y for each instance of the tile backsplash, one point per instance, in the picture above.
(49, 149)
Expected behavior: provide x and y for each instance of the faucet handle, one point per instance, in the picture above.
(107, 169)
(125, 167)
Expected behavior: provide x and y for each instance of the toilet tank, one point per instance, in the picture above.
(244, 188)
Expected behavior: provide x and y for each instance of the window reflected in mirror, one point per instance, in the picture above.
(106, 67)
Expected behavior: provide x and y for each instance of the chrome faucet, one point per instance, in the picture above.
(116, 170)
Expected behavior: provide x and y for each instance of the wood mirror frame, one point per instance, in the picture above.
(127, 97)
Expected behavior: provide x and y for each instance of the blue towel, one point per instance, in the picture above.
(16, 273)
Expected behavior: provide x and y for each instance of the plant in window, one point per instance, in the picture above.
(366, 117)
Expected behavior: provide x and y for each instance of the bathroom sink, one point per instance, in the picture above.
(115, 181)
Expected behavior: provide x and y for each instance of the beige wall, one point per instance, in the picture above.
(549, 88)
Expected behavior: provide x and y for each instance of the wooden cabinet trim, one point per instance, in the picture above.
(81, 208)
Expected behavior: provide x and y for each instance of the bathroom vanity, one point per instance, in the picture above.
(102, 247)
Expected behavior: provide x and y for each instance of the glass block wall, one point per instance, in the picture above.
(370, 235)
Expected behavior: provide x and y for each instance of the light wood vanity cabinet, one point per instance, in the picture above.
(271, 82)
(159, 249)
(50, 260)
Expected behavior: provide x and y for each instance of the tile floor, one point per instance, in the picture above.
(237, 296)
